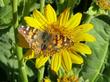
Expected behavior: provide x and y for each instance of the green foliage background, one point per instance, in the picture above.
(96, 67)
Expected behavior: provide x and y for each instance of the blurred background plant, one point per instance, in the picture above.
(96, 67)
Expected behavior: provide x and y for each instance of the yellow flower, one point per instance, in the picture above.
(47, 80)
(70, 37)
(67, 79)
(104, 4)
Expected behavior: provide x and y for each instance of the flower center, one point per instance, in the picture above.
(68, 79)
(56, 41)
(55, 44)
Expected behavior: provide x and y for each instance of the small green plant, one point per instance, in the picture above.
(54, 41)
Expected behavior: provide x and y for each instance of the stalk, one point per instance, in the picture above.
(87, 18)
(41, 74)
(61, 1)
(42, 5)
(21, 63)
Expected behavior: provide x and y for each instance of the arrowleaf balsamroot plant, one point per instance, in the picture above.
(54, 41)
(66, 38)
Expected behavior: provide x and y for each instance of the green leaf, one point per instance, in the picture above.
(5, 16)
(8, 59)
(104, 77)
(7, 56)
(94, 64)
(2, 3)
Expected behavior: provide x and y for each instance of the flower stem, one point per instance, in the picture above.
(41, 74)
(15, 17)
(87, 18)
(21, 63)
(42, 5)
(61, 1)
(22, 70)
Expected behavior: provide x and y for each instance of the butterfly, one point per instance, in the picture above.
(43, 41)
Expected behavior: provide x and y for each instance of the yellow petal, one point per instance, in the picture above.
(63, 18)
(75, 58)
(82, 48)
(47, 80)
(83, 28)
(50, 14)
(33, 23)
(41, 60)
(29, 54)
(74, 21)
(85, 37)
(56, 62)
(39, 17)
(76, 32)
(66, 60)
